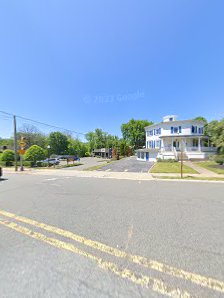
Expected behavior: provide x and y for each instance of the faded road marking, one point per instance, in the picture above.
(155, 284)
(198, 279)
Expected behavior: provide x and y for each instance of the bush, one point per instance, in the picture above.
(6, 163)
(219, 159)
(87, 154)
(8, 156)
(166, 160)
(28, 163)
(41, 164)
(34, 153)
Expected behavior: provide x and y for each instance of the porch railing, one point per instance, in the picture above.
(202, 149)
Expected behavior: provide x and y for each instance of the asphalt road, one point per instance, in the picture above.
(177, 227)
(129, 164)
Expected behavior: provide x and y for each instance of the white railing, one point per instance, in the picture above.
(202, 149)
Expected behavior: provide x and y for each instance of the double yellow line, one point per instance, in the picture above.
(156, 285)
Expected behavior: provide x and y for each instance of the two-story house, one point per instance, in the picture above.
(168, 138)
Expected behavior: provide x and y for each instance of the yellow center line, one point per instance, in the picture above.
(156, 285)
(198, 279)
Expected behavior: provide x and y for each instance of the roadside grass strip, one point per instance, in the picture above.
(147, 281)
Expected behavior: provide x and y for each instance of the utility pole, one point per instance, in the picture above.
(15, 142)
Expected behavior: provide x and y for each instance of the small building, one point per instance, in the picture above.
(102, 152)
(168, 138)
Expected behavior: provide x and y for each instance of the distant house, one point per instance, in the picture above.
(102, 152)
(166, 139)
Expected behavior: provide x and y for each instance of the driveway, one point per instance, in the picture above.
(87, 162)
(129, 164)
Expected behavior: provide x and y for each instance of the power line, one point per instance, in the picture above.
(42, 123)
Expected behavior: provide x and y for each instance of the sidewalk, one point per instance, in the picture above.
(201, 171)
(91, 174)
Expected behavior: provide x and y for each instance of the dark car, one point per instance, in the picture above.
(0, 172)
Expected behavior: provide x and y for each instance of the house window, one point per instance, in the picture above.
(158, 144)
(175, 129)
(201, 130)
(180, 129)
(195, 142)
(158, 131)
(170, 119)
(147, 133)
(138, 154)
(194, 129)
(151, 132)
(142, 155)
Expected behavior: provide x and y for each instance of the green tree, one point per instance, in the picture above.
(76, 147)
(9, 143)
(134, 132)
(8, 156)
(100, 139)
(34, 153)
(215, 131)
(58, 143)
(200, 118)
(33, 136)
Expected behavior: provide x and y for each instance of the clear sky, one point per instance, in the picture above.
(88, 64)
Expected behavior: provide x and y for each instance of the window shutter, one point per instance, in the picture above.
(171, 129)
(180, 129)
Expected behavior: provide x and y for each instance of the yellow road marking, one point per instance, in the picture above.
(198, 279)
(156, 285)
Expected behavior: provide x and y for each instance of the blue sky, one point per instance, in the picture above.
(88, 64)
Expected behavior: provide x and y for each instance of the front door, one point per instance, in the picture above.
(147, 156)
(176, 144)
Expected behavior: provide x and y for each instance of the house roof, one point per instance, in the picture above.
(176, 122)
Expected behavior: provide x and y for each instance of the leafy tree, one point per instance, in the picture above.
(34, 153)
(124, 147)
(58, 143)
(215, 131)
(9, 143)
(76, 147)
(8, 155)
(33, 136)
(134, 132)
(201, 118)
(99, 139)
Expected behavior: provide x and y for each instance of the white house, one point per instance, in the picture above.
(168, 138)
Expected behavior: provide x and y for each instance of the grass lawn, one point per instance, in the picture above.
(171, 167)
(212, 166)
(190, 178)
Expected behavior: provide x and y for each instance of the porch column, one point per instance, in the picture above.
(199, 144)
(172, 144)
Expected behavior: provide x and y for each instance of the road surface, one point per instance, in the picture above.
(90, 237)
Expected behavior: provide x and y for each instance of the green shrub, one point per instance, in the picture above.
(34, 153)
(6, 163)
(166, 160)
(8, 156)
(28, 163)
(219, 159)
(41, 164)
(87, 154)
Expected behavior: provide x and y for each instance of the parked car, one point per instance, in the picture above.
(0, 172)
(51, 161)
(76, 158)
